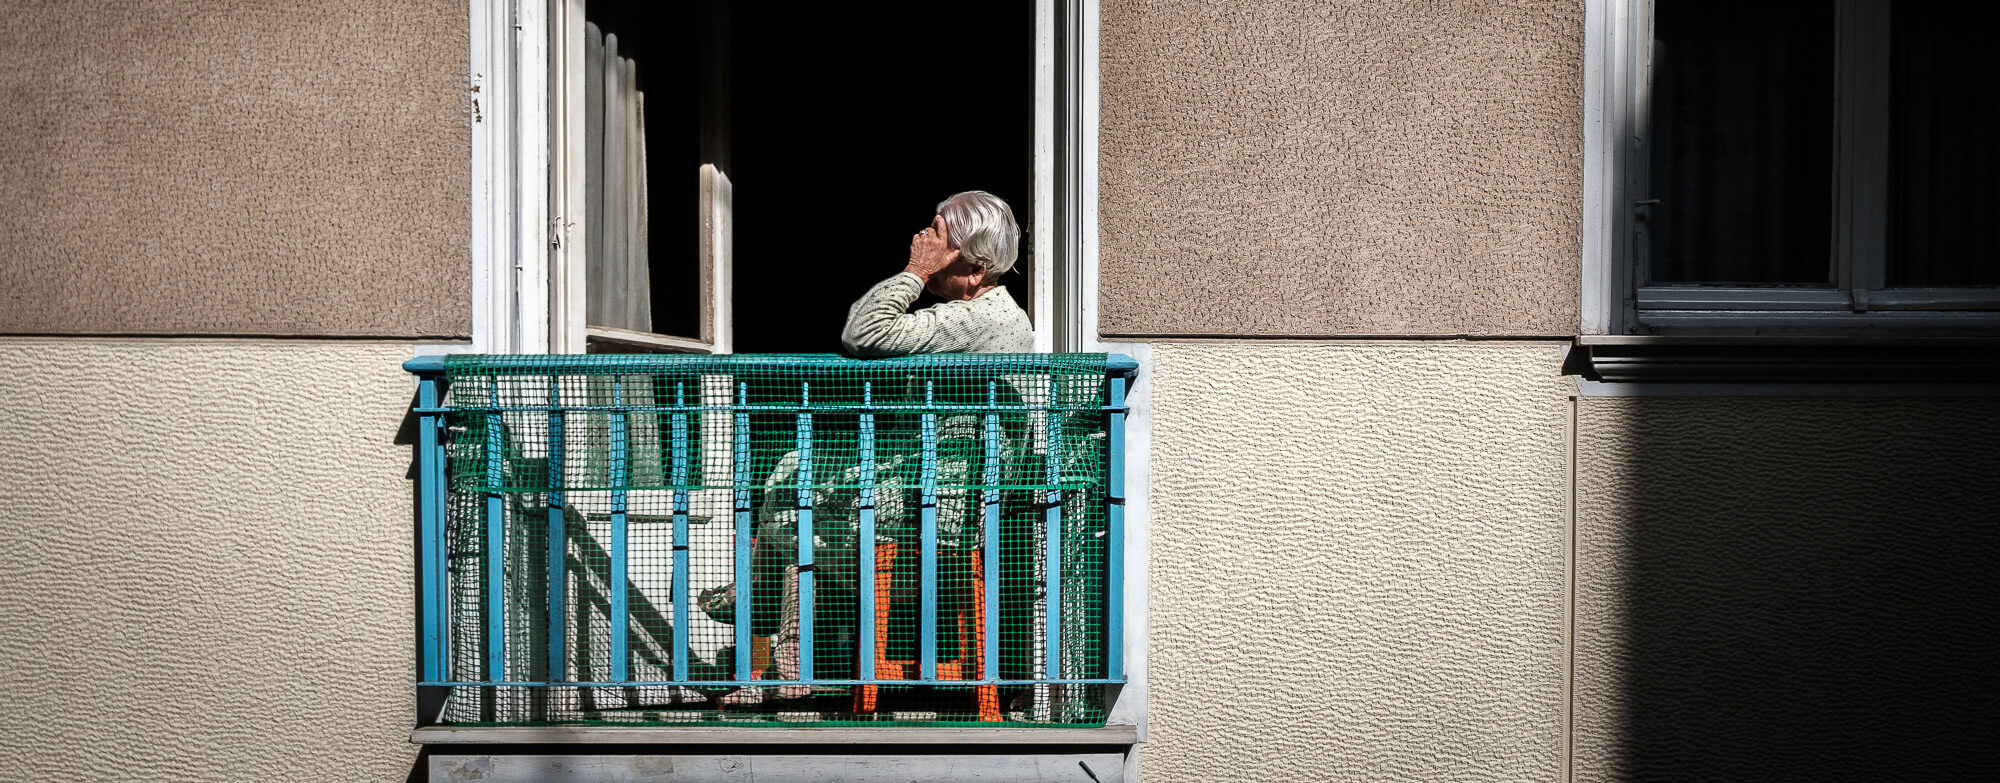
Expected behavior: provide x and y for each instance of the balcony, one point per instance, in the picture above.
(771, 541)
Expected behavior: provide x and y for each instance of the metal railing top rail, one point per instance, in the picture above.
(541, 364)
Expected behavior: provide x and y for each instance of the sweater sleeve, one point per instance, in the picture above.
(877, 324)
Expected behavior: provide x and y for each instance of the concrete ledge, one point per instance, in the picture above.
(617, 735)
(778, 768)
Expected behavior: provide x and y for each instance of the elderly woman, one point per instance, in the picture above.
(971, 242)
(960, 258)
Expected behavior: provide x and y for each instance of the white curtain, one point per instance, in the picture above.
(620, 279)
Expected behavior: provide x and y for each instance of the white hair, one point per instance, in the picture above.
(983, 229)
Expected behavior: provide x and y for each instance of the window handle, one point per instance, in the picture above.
(1638, 207)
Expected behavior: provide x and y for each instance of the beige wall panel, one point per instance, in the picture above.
(1786, 589)
(1357, 563)
(208, 562)
(1277, 167)
(194, 167)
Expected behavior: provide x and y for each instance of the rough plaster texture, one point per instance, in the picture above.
(1787, 589)
(208, 561)
(1357, 563)
(240, 167)
(1277, 167)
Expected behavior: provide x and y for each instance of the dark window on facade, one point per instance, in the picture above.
(1800, 163)
(1742, 143)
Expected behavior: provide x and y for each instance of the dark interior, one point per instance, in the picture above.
(841, 127)
(1742, 143)
(1941, 157)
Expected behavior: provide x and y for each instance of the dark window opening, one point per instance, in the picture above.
(1942, 157)
(1742, 142)
(850, 122)
(840, 128)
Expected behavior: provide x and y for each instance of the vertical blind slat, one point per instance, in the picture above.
(612, 262)
(634, 276)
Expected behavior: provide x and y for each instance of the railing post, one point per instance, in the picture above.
(927, 542)
(430, 523)
(621, 472)
(805, 516)
(741, 464)
(865, 560)
(1052, 542)
(1114, 523)
(558, 546)
(496, 538)
(991, 558)
(680, 543)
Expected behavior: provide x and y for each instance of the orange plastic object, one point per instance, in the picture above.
(970, 663)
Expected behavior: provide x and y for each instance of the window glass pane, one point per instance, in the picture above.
(1942, 163)
(1742, 142)
(664, 43)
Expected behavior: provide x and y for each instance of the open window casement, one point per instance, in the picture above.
(613, 264)
(618, 307)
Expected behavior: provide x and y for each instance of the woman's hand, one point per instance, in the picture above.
(930, 251)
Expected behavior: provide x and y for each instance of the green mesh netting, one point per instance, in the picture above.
(1007, 429)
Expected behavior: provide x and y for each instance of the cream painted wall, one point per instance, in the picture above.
(1357, 562)
(208, 561)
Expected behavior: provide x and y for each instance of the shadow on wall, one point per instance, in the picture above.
(1787, 589)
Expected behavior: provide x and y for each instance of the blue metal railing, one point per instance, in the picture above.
(438, 624)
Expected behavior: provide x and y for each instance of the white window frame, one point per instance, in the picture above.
(569, 287)
(511, 231)
(528, 254)
(1617, 82)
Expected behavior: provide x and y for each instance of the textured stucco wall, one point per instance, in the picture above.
(1787, 589)
(242, 167)
(1340, 167)
(208, 561)
(1357, 563)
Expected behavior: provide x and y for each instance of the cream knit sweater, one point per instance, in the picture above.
(877, 324)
